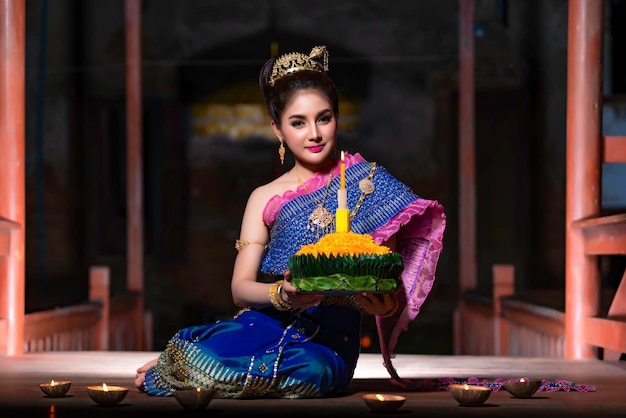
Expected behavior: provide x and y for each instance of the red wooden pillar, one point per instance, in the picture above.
(584, 107)
(134, 163)
(503, 286)
(99, 291)
(12, 173)
(467, 176)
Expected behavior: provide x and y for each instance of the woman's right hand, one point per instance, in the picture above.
(298, 300)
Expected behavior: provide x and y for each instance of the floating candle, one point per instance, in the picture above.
(107, 395)
(194, 399)
(55, 389)
(469, 395)
(524, 388)
(383, 402)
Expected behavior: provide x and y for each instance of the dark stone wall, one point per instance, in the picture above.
(396, 66)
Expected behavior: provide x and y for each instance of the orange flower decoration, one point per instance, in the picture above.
(344, 244)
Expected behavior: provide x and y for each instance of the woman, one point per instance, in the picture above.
(297, 345)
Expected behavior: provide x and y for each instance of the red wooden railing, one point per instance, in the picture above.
(70, 328)
(102, 323)
(125, 329)
(506, 325)
(510, 325)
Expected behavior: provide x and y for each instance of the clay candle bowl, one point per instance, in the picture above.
(470, 395)
(383, 403)
(194, 399)
(107, 395)
(55, 389)
(523, 388)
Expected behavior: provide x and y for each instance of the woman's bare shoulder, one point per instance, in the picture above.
(277, 186)
(262, 194)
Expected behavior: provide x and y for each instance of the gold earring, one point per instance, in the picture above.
(281, 151)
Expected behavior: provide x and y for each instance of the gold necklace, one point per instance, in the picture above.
(295, 169)
(366, 185)
(321, 220)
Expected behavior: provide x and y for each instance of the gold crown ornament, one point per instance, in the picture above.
(296, 61)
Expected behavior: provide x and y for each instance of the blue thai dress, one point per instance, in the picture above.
(310, 353)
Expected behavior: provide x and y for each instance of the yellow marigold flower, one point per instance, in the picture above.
(344, 243)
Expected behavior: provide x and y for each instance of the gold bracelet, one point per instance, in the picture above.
(276, 299)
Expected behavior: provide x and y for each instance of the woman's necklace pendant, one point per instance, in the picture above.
(366, 186)
(320, 219)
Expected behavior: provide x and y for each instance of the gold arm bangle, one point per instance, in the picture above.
(241, 244)
(276, 299)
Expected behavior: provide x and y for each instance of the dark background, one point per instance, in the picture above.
(206, 142)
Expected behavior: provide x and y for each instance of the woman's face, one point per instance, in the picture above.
(309, 127)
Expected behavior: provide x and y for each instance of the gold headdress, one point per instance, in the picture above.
(295, 61)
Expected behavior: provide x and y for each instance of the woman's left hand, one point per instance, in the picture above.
(379, 304)
(302, 301)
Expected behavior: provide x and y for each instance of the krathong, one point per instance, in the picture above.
(343, 263)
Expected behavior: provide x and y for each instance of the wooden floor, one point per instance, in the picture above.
(20, 395)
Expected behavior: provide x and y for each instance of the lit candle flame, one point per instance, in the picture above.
(522, 380)
(52, 382)
(466, 387)
(380, 397)
(198, 390)
(105, 387)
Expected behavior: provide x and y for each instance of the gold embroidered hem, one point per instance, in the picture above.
(256, 355)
